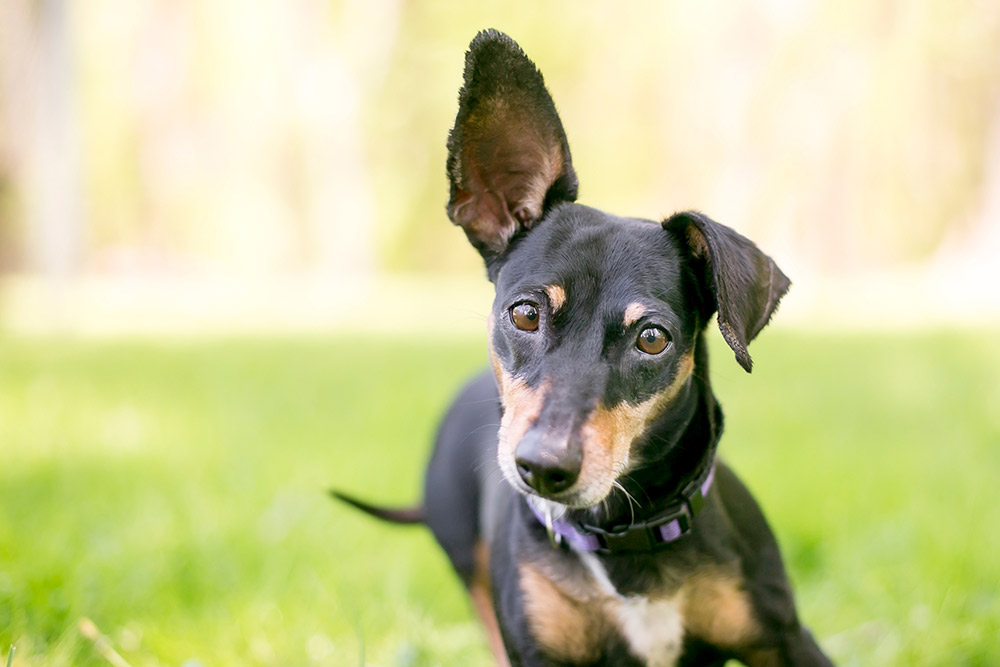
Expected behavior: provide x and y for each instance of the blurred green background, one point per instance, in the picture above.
(174, 494)
(227, 283)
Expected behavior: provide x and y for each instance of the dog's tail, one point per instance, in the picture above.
(400, 515)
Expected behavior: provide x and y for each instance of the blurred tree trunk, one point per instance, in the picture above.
(982, 238)
(341, 206)
(54, 190)
(15, 37)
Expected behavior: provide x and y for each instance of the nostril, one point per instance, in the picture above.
(556, 477)
(557, 480)
(545, 478)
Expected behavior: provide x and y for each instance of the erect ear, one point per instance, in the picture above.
(508, 159)
(745, 284)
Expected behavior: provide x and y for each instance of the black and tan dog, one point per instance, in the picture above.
(613, 536)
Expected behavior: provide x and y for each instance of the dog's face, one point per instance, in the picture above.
(591, 339)
(594, 325)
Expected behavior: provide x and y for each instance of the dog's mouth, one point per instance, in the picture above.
(575, 499)
(581, 499)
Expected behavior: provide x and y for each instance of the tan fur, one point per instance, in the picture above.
(481, 593)
(506, 168)
(573, 618)
(549, 165)
(633, 312)
(696, 241)
(522, 404)
(570, 629)
(497, 368)
(608, 435)
(717, 609)
(557, 296)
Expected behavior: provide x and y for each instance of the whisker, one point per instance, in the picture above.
(479, 401)
(477, 430)
(637, 503)
(633, 504)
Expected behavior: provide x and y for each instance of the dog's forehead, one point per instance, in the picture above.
(581, 249)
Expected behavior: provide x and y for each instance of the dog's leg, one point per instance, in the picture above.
(799, 649)
(482, 599)
(802, 650)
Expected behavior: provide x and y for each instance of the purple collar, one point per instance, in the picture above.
(650, 535)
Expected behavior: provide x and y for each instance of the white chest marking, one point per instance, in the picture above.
(654, 629)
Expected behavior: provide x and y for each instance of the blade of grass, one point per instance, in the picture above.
(101, 643)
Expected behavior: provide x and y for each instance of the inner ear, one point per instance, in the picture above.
(508, 158)
(745, 285)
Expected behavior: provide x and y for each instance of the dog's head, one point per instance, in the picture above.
(593, 330)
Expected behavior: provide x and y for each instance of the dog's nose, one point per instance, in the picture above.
(546, 473)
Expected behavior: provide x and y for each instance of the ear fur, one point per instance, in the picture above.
(746, 285)
(508, 158)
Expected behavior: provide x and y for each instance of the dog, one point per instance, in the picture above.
(575, 486)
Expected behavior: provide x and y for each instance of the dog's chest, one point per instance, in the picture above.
(653, 629)
(577, 616)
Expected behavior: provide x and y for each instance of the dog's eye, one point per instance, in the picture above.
(653, 340)
(524, 316)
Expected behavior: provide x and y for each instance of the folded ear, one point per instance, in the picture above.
(745, 284)
(508, 159)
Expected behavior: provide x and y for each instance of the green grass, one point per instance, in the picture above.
(173, 493)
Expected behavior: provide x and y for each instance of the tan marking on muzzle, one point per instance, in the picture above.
(557, 296)
(608, 435)
(632, 313)
(521, 407)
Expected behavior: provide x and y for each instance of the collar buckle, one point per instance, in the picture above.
(693, 496)
(646, 536)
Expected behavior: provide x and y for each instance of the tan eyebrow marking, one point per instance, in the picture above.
(557, 296)
(633, 312)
